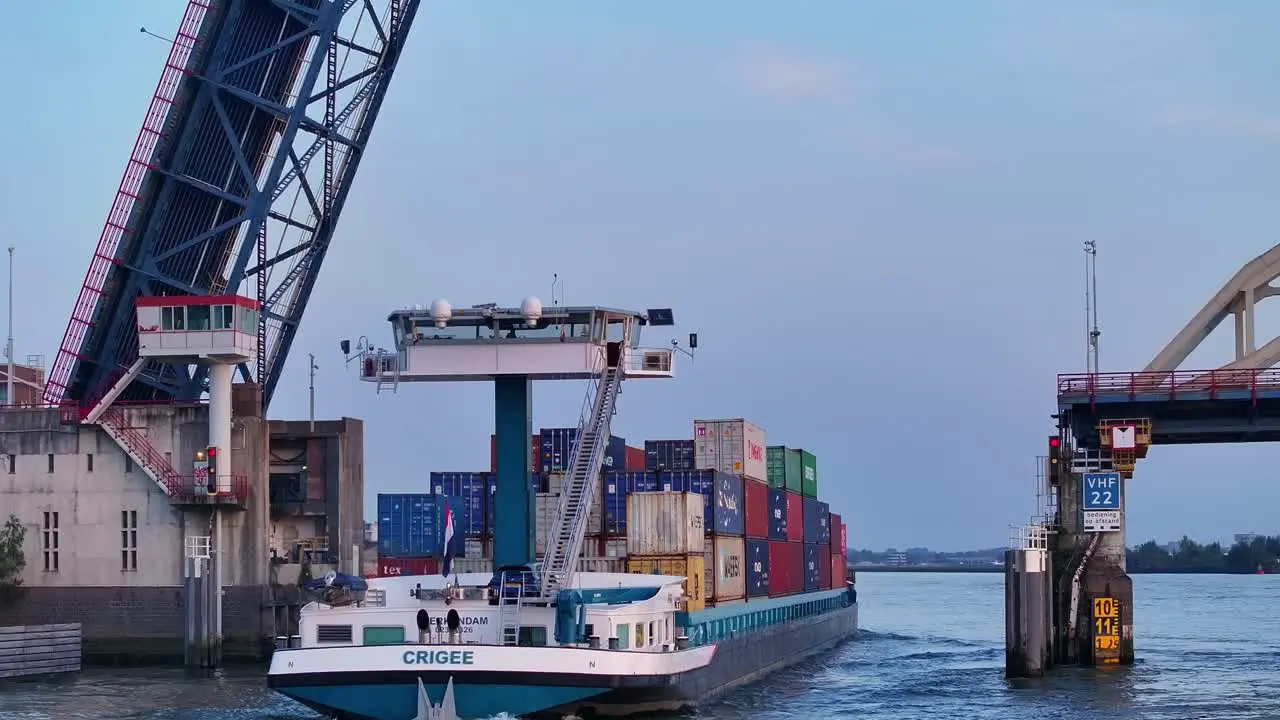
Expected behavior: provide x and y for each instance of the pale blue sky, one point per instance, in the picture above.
(872, 213)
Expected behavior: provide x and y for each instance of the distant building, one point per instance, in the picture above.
(28, 384)
(1246, 538)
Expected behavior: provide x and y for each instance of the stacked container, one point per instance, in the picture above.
(535, 445)
(839, 553)
(757, 562)
(472, 491)
(618, 486)
(411, 529)
(797, 518)
(635, 459)
(669, 455)
(666, 536)
(733, 446)
(555, 450)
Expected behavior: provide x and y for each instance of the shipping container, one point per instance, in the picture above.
(535, 445)
(757, 561)
(556, 450)
(844, 538)
(812, 560)
(471, 565)
(617, 486)
(538, 482)
(635, 460)
(602, 564)
(615, 548)
(669, 455)
(795, 517)
(400, 566)
(786, 567)
(472, 489)
(722, 497)
(839, 570)
(833, 524)
(808, 474)
(824, 567)
(726, 579)
(664, 523)
(732, 446)
(817, 521)
(412, 524)
(785, 469)
(778, 514)
(546, 508)
(478, 548)
(691, 567)
(755, 504)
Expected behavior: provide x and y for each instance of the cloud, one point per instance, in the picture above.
(1219, 122)
(781, 76)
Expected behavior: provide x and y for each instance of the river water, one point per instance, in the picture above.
(932, 646)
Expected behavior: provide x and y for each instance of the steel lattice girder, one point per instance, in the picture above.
(234, 170)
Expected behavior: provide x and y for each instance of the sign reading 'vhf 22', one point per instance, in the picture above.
(1101, 491)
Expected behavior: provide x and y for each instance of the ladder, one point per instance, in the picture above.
(509, 609)
(564, 542)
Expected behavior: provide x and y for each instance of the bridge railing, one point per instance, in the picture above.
(1169, 384)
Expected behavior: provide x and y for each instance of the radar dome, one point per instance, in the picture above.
(441, 311)
(531, 309)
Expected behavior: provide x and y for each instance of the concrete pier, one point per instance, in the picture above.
(1028, 608)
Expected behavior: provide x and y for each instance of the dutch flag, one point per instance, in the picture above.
(447, 561)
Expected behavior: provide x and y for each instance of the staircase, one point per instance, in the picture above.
(509, 609)
(117, 426)
(564, 544)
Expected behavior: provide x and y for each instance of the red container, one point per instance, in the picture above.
(757, 508)
(397, 566)
(786, 567)
(535, 448)
(834, 525)
(824, 568)
(634, 459)
(844, 538)
(795, 517)
(839, 571)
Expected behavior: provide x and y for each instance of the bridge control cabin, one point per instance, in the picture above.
(441, 344)
(188, 328)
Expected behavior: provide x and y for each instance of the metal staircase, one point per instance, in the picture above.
(564, 543)
(117, 426)
(509, 608)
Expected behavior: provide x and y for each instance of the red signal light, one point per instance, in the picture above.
(1053, 442)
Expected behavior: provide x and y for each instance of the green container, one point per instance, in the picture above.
(795, 469)
(776, 466)
(786, 467)
(808, 473)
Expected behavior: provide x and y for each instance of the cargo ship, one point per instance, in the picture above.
(707, 564)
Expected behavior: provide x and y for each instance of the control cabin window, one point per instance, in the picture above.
(223, 317)
(198, 317)
(173, 318)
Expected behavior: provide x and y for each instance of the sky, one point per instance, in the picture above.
(873, 217)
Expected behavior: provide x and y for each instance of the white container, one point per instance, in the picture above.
(730, 446)
(726, 568)
(471, 565)
(546, 506)
(602, 564)
(664, 523)
(615, 548)
(476, 548)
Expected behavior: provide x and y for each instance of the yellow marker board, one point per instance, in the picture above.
(1106, 630)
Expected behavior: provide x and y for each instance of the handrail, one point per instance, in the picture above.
(1169, 382)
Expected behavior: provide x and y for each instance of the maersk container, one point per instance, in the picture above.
(757, 562)
(732, 446)
(817, 521)
(778, 514)
(795, 517)
(755, 496)
(538, 483)
(535, 444)
(617, 486)
(635, 460)
(813, 561)
(664, 523)
(722, 495)
(556, 450)
(412, 525)
(808, 474)
(786, 567)
(785, 468)
(726, 576)
(471, 488)
(669, 455)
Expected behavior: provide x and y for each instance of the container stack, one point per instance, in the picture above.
(549, 447)
(666, 536)
(799, 524)
(839, 552)
(411, 533)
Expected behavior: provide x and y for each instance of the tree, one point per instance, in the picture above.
(12, 560)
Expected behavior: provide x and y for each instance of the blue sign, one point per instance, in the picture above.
(1101, 491)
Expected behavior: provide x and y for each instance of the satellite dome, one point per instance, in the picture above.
(531, 309)
(441, 311)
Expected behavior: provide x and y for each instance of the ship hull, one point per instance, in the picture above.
(381, 683)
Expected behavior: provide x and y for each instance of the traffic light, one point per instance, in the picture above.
(212, 482)
(1055, 448)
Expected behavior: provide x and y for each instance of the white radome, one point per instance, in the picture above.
(441, 311)
(531, 309)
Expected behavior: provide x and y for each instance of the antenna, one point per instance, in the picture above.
(555, 278)
(1091, 306)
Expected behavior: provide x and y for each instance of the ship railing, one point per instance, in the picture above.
(1034, 536)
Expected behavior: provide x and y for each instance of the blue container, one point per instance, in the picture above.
(757, 552)
(812, 573)
(817, 522)
(472, 489)
(724, 504)
(538, 483)
(556, 450)
(778, 514)
(617, 486)
(412, 525)
(668, 455)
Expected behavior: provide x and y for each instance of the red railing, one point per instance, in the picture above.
(1170, 384)
(137, 446)
(192, 490)
(135, 173)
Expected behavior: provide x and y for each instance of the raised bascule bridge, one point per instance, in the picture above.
(1069, 598)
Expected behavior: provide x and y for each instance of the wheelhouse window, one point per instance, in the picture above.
(383, 635)
(173, 318)
(223, 317)
(198, 317)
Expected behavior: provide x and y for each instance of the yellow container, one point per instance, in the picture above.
(691, 567)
